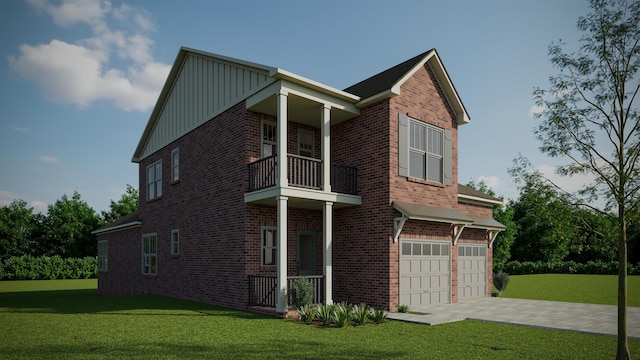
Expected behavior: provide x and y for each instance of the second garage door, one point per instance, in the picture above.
(424, 273)
(472, 271)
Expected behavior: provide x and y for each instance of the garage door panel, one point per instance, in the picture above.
(471, 271)
(424, 273)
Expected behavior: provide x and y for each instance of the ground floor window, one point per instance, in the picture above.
(175, 242)
(149, 254)
(103, 256)
(269, 246)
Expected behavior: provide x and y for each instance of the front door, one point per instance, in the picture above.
(306, 252)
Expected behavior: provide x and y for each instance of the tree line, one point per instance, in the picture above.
(65, 230)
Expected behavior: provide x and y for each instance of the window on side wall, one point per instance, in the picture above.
(424, 151)
(175, 242)
(175, 165)
(306, 143)
(103, 256)
(269, 248)
(269, 139)
(154, 180)
(149, 254)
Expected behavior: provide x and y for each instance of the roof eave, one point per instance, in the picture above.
(281, 74)
(478, 200)
(117, 228)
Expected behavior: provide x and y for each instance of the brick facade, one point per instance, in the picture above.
(220, 244)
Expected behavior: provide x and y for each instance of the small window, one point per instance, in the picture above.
(416, 249)
(149, 254)
(269, 139)
(306, 143)
(406, 249)
(269, 239)
(175, 242)
(175, 165)
(444, 249)
(154, 180)
(103, 256)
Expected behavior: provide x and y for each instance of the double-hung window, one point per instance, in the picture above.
(269, 248)
(269, 138)
(154, 180)
(175, 242)
(149, 254)
(103, 256)
(306, 143)
(424, 151)
(175, 165)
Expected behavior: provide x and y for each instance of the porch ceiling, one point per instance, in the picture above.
(302, 198)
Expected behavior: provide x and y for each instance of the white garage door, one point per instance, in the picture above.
(424, 273)
(472, 271)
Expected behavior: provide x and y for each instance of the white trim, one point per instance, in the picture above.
(171, 242)
(117, 228)
(280, 74)
(478, 200)
(398, 224)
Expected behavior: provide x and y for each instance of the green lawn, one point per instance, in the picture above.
(67, 319)
(590, 289)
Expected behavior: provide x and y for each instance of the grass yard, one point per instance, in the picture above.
(67, 319)
(589, 289)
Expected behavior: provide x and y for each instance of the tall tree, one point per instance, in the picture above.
(504, 215)
(128, 203)
(17, 226)
(590, 117)
(68, 227)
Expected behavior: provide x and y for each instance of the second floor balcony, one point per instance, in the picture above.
(302, 172)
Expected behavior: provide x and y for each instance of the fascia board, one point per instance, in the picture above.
(280, 74)
(319, 97)
(478, 200)
(117, 228)
(377, 97)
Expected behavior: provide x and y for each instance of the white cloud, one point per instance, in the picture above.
(48, 159)
(566, 183)
(493, 182)
(7, 197)
(20, 129)
(535, 110)
(83, 72)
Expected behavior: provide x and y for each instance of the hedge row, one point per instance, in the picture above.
(566, 267)
(48, 268)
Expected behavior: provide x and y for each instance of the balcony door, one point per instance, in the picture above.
(306, 252)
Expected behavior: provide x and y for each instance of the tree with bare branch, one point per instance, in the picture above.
(589, 116)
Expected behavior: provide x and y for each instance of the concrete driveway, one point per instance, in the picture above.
(586, 318)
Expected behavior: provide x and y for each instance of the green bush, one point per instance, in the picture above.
(49, 268)
(500, 280)
(360, 314)
(378, 315)
(567, 267)
(1, 271)
(324, 313)
(342, 314)
(402, 308)
(301, 292)
(307, 313)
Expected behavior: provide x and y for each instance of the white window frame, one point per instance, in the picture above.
(312, 150)
(175, 165)
(420, 135)
(266, 140)
(150, 254)
(103, 256)
(419, 144)
(271, 248)
(175, 242)
(154, 180)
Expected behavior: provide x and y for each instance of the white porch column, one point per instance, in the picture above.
(281, 261)
(327, 231)
(282, 139)
(326, 147)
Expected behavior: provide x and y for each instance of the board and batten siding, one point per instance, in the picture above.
(204, 88)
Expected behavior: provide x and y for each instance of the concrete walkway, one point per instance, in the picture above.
(586, 318)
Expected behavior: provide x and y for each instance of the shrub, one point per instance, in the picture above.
(500, 281)
(49, 268)
(402, 308)
(301, 292)
(1, 271)
(325, 314)
(379, 315)
(307, 313)
(342, 314)
(567, 267)
(360, 314)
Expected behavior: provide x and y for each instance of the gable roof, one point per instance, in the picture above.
(387, 83)
(125, 222)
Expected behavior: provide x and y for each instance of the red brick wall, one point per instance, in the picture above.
(124, 256)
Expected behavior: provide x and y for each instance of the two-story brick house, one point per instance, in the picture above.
(251, 176)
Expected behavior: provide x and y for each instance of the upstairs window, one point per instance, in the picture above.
(269, 139)
(269, 248)
(424, 151)
(175, 165)
(154, 180)
(306, 143)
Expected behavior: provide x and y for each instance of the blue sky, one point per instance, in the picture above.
(78, 78)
